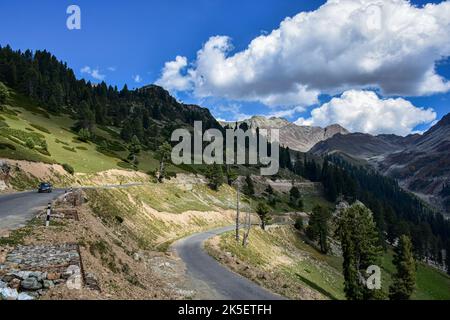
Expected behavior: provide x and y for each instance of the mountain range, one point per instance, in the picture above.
(420, 162)
(300, 138)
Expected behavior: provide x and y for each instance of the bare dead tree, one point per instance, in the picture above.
(247, 229)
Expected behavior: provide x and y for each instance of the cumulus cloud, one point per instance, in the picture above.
(94, 73)
(389, 45)
(364, 111)
(172, 78)
(230, 112)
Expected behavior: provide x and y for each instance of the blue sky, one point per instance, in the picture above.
(136, 38)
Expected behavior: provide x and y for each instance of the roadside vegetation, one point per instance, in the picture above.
(283, 260)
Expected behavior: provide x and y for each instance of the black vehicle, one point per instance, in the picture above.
(45, 187)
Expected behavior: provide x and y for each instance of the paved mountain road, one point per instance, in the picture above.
(216, 281)
(16, 209)
(213, 277)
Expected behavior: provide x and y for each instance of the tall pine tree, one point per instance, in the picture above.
(405, 278)
(358, 235)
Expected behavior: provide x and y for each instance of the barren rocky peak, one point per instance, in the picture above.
(300, 138)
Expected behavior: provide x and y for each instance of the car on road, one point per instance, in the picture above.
(45, 187)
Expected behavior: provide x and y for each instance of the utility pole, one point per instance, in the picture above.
(238, 199)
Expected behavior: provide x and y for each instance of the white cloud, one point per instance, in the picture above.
(94, 73)
(390, 45)
(230, 113)
(172, 78)
(86, 69)
(285, 113)
(137, 78)
(112, 69)
(364, 111)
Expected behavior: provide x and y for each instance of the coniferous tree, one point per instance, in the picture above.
(249, 187)
(163, 155)
(299, 224)
(299, 167)
(271, 198)
(214, 174)
(318, 229)
(84, 135)
(86, 117)
(134, 149)
(263, 212)
(404, 280)
(357, 233)
(295, 198)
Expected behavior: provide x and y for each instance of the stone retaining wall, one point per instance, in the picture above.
(29, 271)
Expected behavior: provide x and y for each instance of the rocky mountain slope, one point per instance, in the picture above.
(424, 165)
(421, 163)
(362, 145)
(300, 138)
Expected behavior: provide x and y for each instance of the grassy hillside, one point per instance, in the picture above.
(156, 214)
(289, 263)
(22, 119)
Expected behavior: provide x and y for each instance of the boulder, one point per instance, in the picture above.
(71, 270)
(53, 276)
(48, 284)
(24, 296)
(2, 284)
(15, 284)
(31, 284)
(38, 275)
(8, 294)
(92, 282)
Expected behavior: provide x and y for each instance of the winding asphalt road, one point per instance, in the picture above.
(221, 282)
(17, 208)
(217, 281)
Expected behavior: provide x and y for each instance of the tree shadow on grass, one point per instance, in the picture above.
(316, 287)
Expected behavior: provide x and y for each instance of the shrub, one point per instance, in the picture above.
(61, 142)
(119, 219)
(40, 128)
(68, 168)
(29, 143)
(125, 165)
(84, 135)
(7, 146)
(43, 145)
(70, 149)
(299, 224)
(22, 135)
(44, 152)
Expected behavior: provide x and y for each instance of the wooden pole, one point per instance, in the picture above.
(238, 198)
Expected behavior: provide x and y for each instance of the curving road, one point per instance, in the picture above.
(17, 208)
(213, 279)
(219, 281)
